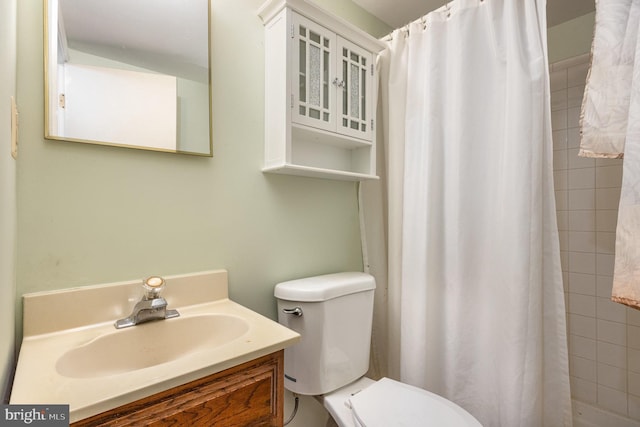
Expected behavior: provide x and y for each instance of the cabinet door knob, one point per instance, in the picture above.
(338, 83)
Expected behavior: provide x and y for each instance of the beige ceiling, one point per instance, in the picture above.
(397, 13)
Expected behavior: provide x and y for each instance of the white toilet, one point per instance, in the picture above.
(333, 314)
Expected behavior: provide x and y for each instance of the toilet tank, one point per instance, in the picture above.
(335, 328)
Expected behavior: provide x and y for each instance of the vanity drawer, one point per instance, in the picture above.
(250, 394)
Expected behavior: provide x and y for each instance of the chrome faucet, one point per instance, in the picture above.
(151, 307)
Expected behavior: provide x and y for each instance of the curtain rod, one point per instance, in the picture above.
(446, 7)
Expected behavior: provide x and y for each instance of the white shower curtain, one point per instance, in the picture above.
(475, 298)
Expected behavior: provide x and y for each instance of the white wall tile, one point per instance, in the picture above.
(560, 160)
(582, 368)
(584, 305)
(564, 261)
(608, 176)
(559, 100)
(583, 390)
(562, 200)
(574, 96)
(563, 236)
(583, 347)
(603, 286)
(581, 283)
(582, 262)
(577, 162)
(612, 399)
(582, 326)
(558, 79)
(562, 217)
(634, 407)
(580, 179)
(604, 264)
(573, 138)
(611, 354)
(609, 162)
(634, 383)
(582, 241)
(561, 179)
(633, 336)
(606, 220)
(559, 119)
(582, 199)
(633, 317)
(612, 332)
(582, 220)
(577, 75)
(573, 117)
(607, 198)
(609, 310)
(605, 242)
(633, 360)
(604, 337)
(570, 62)
(560, 139)
(612, 377)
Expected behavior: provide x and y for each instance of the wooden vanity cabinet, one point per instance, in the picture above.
(250, 394)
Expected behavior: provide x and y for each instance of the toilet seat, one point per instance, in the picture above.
(392, 403)
(387, 402)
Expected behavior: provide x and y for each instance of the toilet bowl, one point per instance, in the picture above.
(333, 314)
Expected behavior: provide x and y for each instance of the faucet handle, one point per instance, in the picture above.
(153, 286)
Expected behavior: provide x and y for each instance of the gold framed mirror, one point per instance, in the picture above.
(129, 73)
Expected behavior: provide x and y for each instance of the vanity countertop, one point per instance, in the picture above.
(59, 321)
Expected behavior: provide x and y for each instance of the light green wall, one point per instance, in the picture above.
(356, 15)
(7, 195)
(90, 214)
(571, 38)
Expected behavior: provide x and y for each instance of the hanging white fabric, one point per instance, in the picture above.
(606, 105)
(475, 304)
(611, 127)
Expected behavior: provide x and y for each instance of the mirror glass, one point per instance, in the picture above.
(130, 73)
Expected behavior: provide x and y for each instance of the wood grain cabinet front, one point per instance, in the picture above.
(250, 394)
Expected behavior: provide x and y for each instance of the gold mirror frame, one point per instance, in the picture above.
(189, 134)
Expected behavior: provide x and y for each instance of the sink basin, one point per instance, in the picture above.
(77, 357)
(150, 344)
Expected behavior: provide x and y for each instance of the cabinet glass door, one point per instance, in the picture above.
(355, 71)
(313, 97)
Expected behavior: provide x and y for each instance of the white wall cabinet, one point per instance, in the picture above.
(320, 93)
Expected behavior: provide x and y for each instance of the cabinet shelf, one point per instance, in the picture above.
(314, 172)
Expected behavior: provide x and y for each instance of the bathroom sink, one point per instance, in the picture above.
(150, 344)
(77, 357)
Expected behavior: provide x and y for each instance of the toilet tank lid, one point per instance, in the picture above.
(325, 287)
